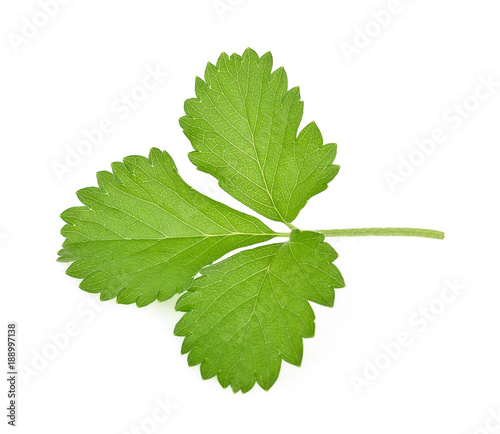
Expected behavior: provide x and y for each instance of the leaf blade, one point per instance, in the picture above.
(243, 126)
(143, 234)
(248, 312)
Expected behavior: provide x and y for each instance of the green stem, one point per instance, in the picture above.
(383, 232)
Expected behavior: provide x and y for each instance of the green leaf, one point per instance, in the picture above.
(144, 233)
(248, 312)
(243, 125)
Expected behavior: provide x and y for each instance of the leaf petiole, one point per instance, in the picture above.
(383, 232)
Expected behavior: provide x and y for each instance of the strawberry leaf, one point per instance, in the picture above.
(248, 312)
(243, 125)
(144, 233)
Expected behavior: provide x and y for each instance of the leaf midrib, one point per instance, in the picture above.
(252, 141)
(274, 234)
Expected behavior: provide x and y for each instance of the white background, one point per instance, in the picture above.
(375, 104)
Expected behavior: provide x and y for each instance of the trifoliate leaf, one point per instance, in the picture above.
(144, 233)
(243, 126)
(249, 312)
